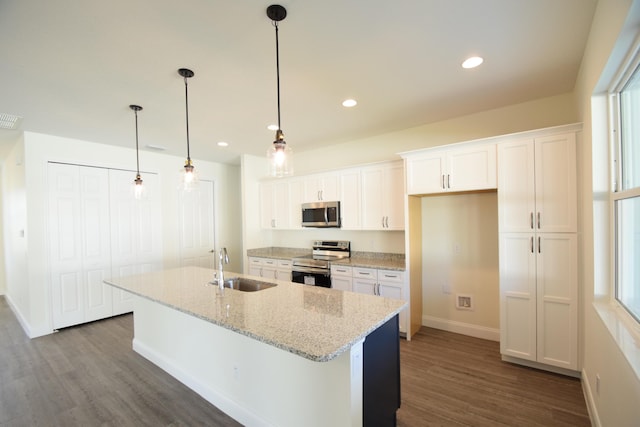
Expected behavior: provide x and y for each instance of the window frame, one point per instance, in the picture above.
(616, 192)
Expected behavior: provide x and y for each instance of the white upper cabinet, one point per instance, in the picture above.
(321, 187)
(383, 197)
(472, 167)
(350, 199)
(537, 184)
(274, 204)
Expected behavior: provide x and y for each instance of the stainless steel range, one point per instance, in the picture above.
(315, 269)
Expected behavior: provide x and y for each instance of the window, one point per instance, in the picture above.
(626, 192)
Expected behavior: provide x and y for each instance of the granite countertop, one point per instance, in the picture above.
(313, 322)
(385, 261)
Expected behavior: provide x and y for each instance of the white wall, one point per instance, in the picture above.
(460, 256)
(29, 294)
(614, 28)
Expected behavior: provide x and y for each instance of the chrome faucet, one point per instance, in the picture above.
(223, 259)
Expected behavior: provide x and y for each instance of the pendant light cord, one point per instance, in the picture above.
(186, 109)
(137, 155)
(275, 24)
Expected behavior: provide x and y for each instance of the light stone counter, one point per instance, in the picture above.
(313, 322)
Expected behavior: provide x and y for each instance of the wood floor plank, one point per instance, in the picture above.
(90, 376)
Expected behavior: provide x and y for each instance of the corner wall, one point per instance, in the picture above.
(612, 388)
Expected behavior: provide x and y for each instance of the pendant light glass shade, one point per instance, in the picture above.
(188, 176)
(138, 185)
(279, 155)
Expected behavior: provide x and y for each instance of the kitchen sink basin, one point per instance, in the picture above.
(247, 285)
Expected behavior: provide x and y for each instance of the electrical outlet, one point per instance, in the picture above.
(464, 302)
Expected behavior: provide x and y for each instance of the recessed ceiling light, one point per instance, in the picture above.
(272, 127)
(472, 62)
(223, 144)
(349, 103)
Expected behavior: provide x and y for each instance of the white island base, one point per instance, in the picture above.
(255, 383)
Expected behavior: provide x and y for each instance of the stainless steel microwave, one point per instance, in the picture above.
(321, 214)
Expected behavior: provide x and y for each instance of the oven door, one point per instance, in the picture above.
(311, 276)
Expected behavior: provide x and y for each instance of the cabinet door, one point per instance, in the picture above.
(350, 199)
(383, 197)
(391, 285)
(518, 295)
(393, 202)
(274, 204)
(255, 266)
(471, 168)
(364, 286)
(296, 198)
(345, 283)
(372, 208)
(321, 187)
(557, 298)
(425, 173)
(516, 186)
(555, 183)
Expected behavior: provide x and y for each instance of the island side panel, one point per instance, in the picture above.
(381, 370)
(255, 383)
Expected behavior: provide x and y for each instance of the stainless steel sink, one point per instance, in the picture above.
(247, 285)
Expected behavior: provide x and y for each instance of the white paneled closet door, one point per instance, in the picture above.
(136, 245)
(79, 249)
(197, 226)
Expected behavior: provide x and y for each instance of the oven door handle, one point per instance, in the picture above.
(299, 269)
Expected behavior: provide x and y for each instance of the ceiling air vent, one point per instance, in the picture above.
(9, 121)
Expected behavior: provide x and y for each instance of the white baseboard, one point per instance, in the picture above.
(591, 404)
(26, 327)
(211, 395)
(461, 328)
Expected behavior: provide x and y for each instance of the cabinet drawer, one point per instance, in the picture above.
(364, 273)
(255, 261)
(390, 276)
(284, 263)
(341, 270)
(269, 262)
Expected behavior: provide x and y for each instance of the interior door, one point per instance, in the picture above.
(136, 244)
(79, 246)
(197, 226)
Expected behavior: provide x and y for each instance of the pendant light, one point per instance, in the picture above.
(189, 178)
(280, 155)
(138, 187)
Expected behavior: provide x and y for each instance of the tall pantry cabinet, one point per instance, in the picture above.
(537, 210)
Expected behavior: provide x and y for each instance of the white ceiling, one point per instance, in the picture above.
(71, 68)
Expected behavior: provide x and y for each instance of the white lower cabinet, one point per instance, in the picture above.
(342, 277)
(539, 298)
(270, 268)
(385, 283)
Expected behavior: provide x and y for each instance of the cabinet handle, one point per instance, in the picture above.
(538, 220)
(531, 216)
(532, 251)
(448, 180)
(386, 222)
(382, 222)
(443, 187)
(539, 249)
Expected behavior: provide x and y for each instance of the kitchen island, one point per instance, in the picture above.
(288, 355)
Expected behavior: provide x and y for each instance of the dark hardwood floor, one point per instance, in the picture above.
(90, 376)
(455, 380)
